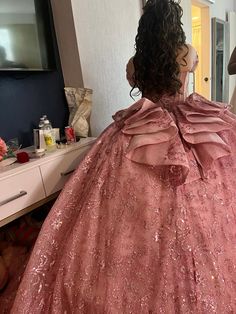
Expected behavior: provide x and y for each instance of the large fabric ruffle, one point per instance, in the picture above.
(162, 138)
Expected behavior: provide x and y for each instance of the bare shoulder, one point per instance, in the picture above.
(191, 48)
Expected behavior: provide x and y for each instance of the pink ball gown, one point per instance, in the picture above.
(147, 223)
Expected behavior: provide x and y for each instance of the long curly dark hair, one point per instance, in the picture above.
(160, 37)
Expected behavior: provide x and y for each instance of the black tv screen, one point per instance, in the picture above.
(26, 35)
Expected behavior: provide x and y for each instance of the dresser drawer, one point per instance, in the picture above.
(20, 191)
(56, 172)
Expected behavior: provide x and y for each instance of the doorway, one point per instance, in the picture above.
(201, 42)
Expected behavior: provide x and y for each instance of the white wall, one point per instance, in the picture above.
(220, 7)
(187, 19)
(105, 33)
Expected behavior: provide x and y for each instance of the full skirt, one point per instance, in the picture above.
(123, 238)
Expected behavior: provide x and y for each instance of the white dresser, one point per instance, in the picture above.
(24, 187)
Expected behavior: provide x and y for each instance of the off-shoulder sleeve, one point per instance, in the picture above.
(188, 59)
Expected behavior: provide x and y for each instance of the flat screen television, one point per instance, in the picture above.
(26, 41)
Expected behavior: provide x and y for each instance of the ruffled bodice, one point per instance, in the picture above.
(171, 135)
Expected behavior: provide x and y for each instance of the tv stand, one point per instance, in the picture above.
(24, 187)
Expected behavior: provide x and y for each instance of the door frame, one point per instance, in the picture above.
(206, 49)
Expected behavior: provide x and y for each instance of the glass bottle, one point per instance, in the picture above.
(49, 135)
(41, 123)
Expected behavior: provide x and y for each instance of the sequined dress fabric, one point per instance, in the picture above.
(147, 223)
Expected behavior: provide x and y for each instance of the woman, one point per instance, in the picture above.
(232, 71)
(147, 222)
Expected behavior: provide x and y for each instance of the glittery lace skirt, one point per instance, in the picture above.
(123, 239)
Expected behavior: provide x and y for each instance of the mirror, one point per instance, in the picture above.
(220, 60)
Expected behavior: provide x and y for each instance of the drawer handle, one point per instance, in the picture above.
(12, 198)
(64, 174)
